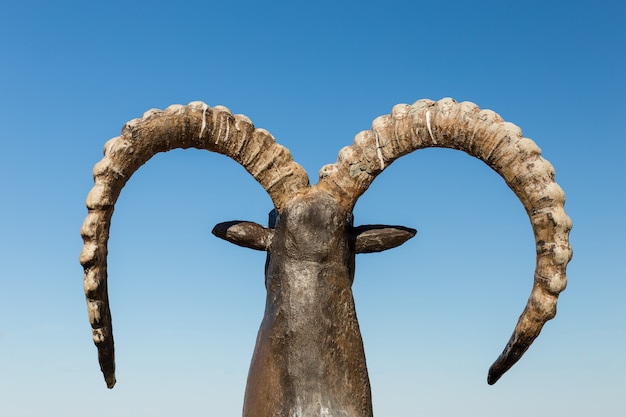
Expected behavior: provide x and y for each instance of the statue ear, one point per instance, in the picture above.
(247, 234)
(377, 238)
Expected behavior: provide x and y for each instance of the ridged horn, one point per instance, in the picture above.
(484, 135)
(193, 126)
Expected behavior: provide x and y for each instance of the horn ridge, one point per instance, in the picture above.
(193, 126)
(486, 136)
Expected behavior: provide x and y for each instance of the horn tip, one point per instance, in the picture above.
(493, 377)
(110, 380)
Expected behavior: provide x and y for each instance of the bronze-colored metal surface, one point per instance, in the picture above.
(309, 358)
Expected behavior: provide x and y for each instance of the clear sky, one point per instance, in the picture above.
(186, 306)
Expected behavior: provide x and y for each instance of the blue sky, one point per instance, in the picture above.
(186, 306)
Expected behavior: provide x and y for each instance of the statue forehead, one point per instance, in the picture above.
(313, 207)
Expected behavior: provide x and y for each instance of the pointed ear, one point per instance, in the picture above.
(247, 234)
(377, 238)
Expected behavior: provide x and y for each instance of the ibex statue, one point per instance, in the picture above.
(309, 358)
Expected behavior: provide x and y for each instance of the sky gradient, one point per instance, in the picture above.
(434, 313)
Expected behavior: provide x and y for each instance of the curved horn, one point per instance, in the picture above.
(192, 126)
(484, 135)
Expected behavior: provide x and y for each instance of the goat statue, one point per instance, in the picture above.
(309, 358)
